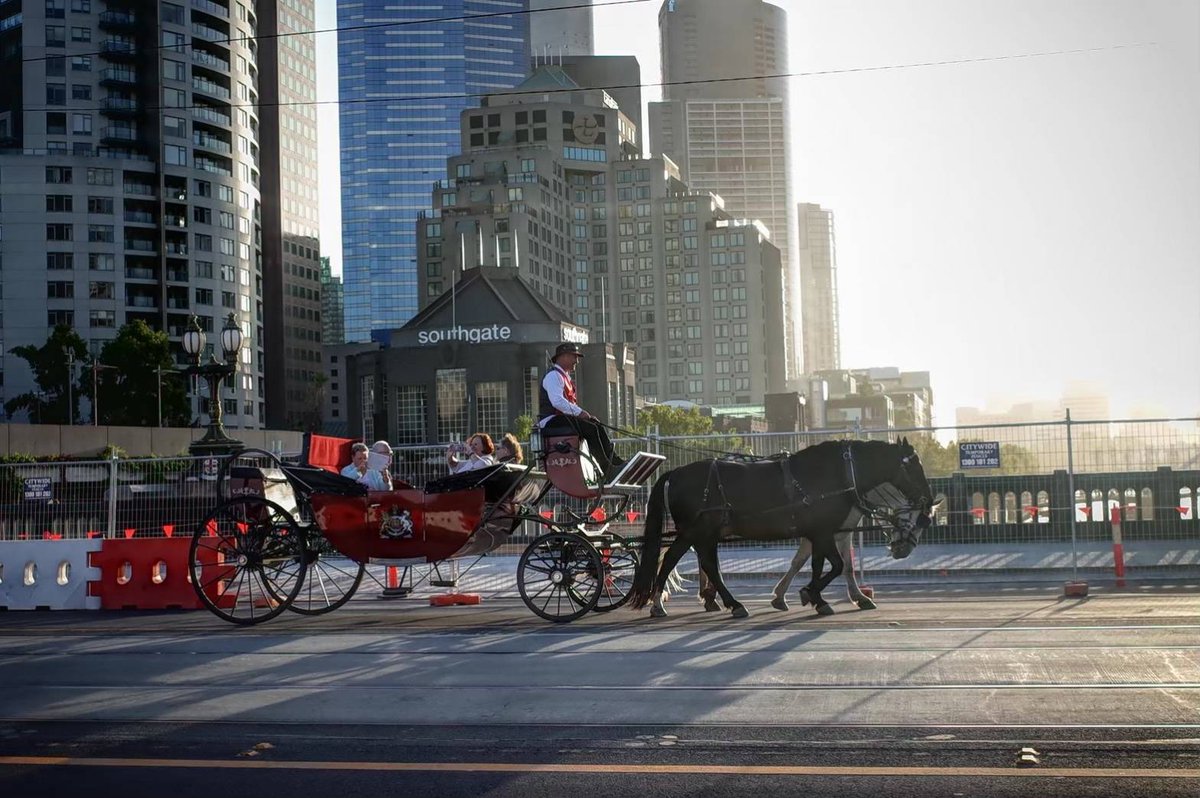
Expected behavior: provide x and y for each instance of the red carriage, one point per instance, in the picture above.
(300, 537)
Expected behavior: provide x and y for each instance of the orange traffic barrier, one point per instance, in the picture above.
(147, 574)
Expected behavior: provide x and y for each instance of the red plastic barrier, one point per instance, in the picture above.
(148, 574)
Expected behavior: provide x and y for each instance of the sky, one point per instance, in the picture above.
(1012, 225)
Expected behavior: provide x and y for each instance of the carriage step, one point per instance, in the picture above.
(453, 599)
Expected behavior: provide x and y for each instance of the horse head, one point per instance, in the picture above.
(909, 479)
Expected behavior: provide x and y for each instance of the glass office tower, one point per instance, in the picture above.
(405, 73)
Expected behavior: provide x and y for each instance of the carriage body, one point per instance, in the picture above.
(300, 537)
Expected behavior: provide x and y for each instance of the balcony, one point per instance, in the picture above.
(139, 217)
(116, 135)
(212, 143)
(178, 276)
(210, 88)
(209, 115)
(209, 34)
(139, 273)
(123, 21)
(141, 189)
(115, 76)
(211, 8)
(118, 48)
(216, 167)
(141, 301)
(119, 106)
(209, 60)
(175, 221)
(176, 249)
(140, 245)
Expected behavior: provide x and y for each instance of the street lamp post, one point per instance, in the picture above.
(215, 441)
(70, 391)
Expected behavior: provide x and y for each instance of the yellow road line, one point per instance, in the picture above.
(614, 769)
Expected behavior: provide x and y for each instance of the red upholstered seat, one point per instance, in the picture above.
(324, 451)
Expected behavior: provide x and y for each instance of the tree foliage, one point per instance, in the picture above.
(673, 421)
(129, 388)
(942, 461)
(522, 427)
(51, 371)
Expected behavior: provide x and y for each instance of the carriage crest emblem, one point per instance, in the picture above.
(397, 525)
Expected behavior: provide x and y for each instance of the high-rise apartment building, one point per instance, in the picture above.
(132, 177)
(616, 241)
(729, 135)
(333, 327)
(816, 251)
(402, 87)
(291, 250)
(563, 31)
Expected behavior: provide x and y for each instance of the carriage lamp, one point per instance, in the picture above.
(216, 441)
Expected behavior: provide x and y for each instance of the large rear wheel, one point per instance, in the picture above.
(247, 560)
(330, 581)
(557, 576)
(618, 562)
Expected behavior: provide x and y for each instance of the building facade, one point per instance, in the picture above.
(402, 88)
(473, 360)
(333, 328)
(728, 135)
(816, 250)
(290, 243)
(873, 398)
(561, 32)
(615, 241)
(131, 182)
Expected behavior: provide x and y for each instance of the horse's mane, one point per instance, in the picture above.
(824, 448)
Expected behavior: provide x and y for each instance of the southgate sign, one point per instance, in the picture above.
(474, 335)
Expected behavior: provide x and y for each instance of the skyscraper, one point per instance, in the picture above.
(562, 32)
(291, 251)
(729, 135)
(131, 184)
(816, 250)
(401, 88)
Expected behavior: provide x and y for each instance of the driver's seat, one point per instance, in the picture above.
(570, 466)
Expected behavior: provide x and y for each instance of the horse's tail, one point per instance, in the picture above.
(647, 567)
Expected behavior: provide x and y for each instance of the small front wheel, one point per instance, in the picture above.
(557, 576)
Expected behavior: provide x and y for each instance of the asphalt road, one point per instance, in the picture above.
(932, 694)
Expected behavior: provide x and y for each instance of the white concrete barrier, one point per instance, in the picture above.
(47, 574)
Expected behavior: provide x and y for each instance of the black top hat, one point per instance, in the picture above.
(566, 349)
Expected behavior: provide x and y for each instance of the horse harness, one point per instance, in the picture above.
(797, 498)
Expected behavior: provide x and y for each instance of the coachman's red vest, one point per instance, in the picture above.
(545, 407)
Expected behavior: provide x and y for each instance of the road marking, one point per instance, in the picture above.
(612, 769)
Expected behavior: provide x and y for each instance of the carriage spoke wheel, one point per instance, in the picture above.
(617, 565)
(557, 576)
(330, 580)
(247, 560)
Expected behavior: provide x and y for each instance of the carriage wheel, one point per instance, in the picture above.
(260, 457)
(557, 576)
(330, 580)
(247, 560)
(618, 562)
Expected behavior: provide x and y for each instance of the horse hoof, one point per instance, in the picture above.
(805, 597)
(741, 612)
(779, 604)
(711, 606)
(657, 612)
(824, 609)
(865, 603)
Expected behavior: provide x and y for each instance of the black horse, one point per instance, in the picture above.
(808, 494)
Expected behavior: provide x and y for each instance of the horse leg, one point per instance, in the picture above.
(706, 553)
(779, 602)
(669, 560)
(708, 593)
(845, 543)
(825, 549)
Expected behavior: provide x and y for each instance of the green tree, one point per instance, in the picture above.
(49, 363)
(522, 426)
(937, 460)
(673, 421)
(129, 388)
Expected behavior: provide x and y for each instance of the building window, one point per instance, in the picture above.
(410, 414)
(367, 405)
(56, 261)
(57, 317)
(491, 407)
(59, 232)
(103, 318)
(451, 404)
(60, 290)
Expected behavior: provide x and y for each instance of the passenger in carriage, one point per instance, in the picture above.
(476, 454)
(358, 462)
(509, 450)
(374, 475)
(560, 414)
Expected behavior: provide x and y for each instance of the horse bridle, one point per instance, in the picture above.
(903, 531)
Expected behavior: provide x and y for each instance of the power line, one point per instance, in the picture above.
(366, 26)
(615, 87)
